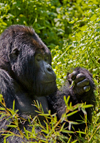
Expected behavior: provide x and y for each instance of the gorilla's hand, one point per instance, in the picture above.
(80, 82)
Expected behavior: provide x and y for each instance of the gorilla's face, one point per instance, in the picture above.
(45, 76)
(30, 62)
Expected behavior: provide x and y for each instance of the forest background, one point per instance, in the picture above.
(71, 30)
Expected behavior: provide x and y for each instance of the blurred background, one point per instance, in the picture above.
(71, 30)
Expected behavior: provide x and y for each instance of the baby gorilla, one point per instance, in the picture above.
(26, 75)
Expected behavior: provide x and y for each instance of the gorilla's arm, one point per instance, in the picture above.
(11, 91)
(81, 91)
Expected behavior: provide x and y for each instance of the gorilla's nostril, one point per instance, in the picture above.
(49, 69)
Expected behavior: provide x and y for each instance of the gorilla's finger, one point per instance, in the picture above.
(79, 90)
(83, 83)
(79, 77)
(86, 88)
(72, 75)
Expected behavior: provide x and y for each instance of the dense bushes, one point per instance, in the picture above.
(71, 30)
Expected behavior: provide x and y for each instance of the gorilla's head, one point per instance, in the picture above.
(27, 60)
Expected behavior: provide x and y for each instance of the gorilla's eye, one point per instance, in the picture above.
(46, 59)
(38, 58)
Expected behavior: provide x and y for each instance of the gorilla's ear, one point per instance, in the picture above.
(14, 54)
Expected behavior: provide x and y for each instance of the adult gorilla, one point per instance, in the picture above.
(26, 75)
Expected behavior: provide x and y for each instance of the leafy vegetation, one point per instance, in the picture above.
(72, 32)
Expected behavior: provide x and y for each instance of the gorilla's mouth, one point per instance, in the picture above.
(51, 81)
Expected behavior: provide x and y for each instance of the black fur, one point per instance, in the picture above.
(24, 78)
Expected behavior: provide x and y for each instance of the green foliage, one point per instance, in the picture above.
(72, 32)
(50, 130)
